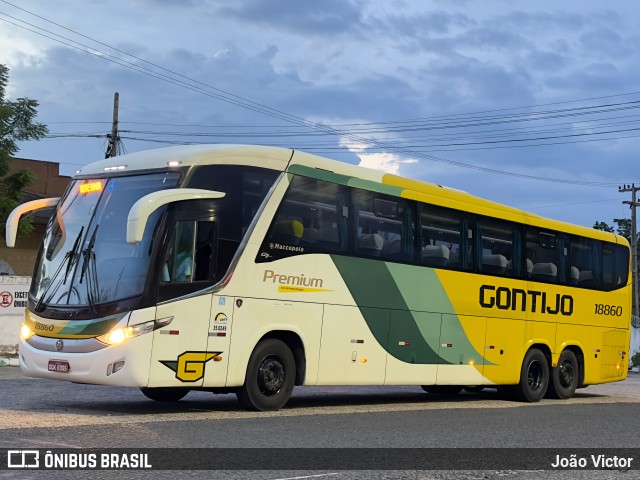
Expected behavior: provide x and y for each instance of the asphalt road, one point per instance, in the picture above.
(46, 414)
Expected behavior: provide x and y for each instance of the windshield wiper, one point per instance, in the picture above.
(72, 253)
(89, 260)
(68, 260)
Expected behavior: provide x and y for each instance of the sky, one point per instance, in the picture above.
(530, 104)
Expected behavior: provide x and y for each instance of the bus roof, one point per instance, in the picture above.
(285, 159)
(268, 157)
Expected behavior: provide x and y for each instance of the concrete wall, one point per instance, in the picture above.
(13, 301)
(635, 341)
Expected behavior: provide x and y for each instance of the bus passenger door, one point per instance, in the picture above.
(180, 356)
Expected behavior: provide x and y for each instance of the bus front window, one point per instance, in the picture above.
(85, 259)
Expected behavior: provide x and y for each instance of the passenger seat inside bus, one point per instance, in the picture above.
(575, 275)
(435, 255)
(494, 263)
(586, 278)
(392, 248)
(529, 266)
(310, 235)
(545, 272)
(371, 244)
(287, 231)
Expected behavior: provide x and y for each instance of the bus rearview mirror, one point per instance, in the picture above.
(143, 208)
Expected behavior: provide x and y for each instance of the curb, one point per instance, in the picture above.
(9, 362)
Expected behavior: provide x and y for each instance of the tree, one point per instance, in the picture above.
(623, 228)
(16, 124)
(605, 227)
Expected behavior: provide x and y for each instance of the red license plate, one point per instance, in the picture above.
(61, 366)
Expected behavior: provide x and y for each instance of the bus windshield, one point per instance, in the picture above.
(85, 259)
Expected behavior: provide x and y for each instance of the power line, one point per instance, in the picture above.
(414, 146)
(269, 108)
(260, 108)
(238, 126)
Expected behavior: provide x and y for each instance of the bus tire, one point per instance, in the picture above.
(442, 389)
(564, 378)
(534, 377)
(165, 394)
(270, 377)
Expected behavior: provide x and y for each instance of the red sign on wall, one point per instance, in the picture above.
(6, 299)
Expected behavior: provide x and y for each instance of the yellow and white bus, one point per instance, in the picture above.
(253, 269)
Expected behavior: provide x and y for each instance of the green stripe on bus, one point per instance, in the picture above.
(90, 327)
(422, 291)
(383, 307)
(407, 310)
(348, 181)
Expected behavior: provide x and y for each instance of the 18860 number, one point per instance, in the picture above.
(612, 310)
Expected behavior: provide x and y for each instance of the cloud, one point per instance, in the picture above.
(328, 16)
(417, 24)
(357, 61)
(385, 162)
(603, 77)
(604, 41)
(545, 61)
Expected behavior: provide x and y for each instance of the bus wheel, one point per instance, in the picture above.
(442, 389)
(165, 394)
(534, 376)
(564, 378)
(270, 377)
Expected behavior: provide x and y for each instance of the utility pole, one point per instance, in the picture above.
(112, 148)
(634, 241)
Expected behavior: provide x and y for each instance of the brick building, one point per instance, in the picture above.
(49, 183)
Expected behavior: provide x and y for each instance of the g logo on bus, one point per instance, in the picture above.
(189, 366)
(59, 345)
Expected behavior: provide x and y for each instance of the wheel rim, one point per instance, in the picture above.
(271, 376)
(565, 374)
(534, 376)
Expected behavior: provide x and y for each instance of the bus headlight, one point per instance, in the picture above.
(119, 335)
(25, 332)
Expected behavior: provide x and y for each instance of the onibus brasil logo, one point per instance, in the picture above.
(189, 366)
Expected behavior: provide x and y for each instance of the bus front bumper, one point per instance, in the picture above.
(126, 364)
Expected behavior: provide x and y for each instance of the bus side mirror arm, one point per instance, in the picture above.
(143, 208)
(11, 230)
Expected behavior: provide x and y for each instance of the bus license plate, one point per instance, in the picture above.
(61, 366)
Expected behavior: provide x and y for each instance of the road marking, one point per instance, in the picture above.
(15, 413)
(35, 443)
(196, 412)
(308, 476)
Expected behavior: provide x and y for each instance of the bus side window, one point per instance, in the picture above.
(178, 263)
(203, 256)
(584, 262)
(312, 218)
(385, 226)
(615, 266)
(444, 239)
(189, 255)
(548, 257)
(500, 247)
